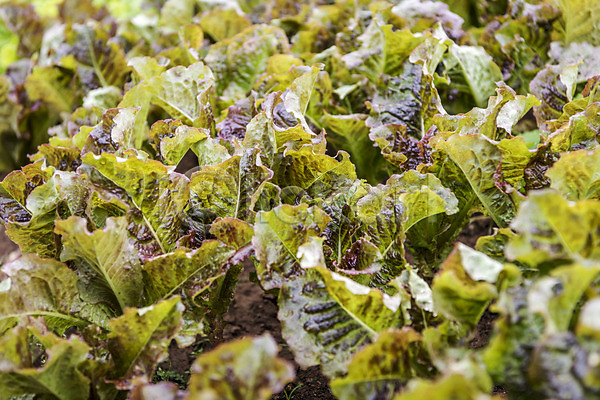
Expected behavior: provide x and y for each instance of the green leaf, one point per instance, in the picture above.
(464, 287)
(105, 258)
(59, 378)
(472, 71)
(551, 86)
(422, 194)
(278, 235)
(349, 133)
(319, 174)
(493, 245)
(409, 99)
(230, 189)
(550, 227)
(34, 286)
(452, 386)
(184, 93)
(30, 199)
(238, 61)
(139, 339)
(233, 232)
(576, 128)
(185, 273)
(117, 133)
(171, 139)
(555, 297)
(496, 121)
(9, 43)
(376, 371)
(159, 195)
(176, 13)
(516, 333)
(61, 158)
(55, 86)
(97, 56)
(399, 149)
(343, 228)
(580, 21)
(146, 67)
(478, 160)
(9, 118)
(327, 317)
(245, 369)
(222, 24)
(577, 175)
(418, 288)
(394, 47)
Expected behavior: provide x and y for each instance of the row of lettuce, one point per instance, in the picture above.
(297, 113)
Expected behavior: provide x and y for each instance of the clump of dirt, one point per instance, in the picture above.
(477, 227)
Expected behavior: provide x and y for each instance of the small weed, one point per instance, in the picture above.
(168, 375)
(198, 347)
(289, 395)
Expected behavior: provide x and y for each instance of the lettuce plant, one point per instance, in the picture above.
(339, 149)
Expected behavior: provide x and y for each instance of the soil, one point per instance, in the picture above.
(254, 312)
(7, 247)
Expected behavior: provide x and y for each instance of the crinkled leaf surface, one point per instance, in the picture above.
(139, 339)
(238, 61)
(183, 93)
(188, 273)
(550, 227)
(55, 86)
(232, 231)
(327, 317)
(245, 369)
(159, 195)
(59, 377)
(423, 195)
(116, 133)
(581, 21)
(106, 260)
(472, 71)
(319, 174)
(409, 99)
(172, 140)
(464, 287)
(34, 286)
(230, 189)
(278, 235)
(577, 175)
(394, 47)
(478, 160)
(376, 372)
(98, 56)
